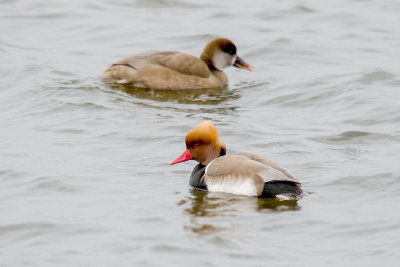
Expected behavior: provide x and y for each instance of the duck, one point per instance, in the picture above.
(171, 70)
(242, 173)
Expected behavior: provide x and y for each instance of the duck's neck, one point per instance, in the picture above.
(216, 154)
(196, 179)
(206, 56)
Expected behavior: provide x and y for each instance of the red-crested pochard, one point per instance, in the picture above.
(242, 173)
(170, 70)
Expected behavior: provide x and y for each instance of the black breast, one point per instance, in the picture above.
(196, 180)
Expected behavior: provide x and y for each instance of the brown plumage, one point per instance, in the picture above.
(170, 70)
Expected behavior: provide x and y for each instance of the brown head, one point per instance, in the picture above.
(202, 144)
(221, 53)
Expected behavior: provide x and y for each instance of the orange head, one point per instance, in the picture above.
(202, 144)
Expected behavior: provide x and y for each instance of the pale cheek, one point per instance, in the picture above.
(222, 60)
(233, 59)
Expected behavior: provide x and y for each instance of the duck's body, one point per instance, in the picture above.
(242, 173)
(170, 70)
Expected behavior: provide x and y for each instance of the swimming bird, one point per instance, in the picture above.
(170, 70)
(242, 173)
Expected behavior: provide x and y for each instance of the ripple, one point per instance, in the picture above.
(375, 76)
(201, 96)
(27, 229)
(354, 137)
(165, 4)
(304, 9)
(381, 183)
(55, 185)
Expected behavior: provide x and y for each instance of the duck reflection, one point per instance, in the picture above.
(204, 204)
(198, 96)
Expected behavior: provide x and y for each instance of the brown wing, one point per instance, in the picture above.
(249, 165)
(182, 63)
(176, 61)
(136, 62)
(128, 70)
(269, 163)
(139, 62)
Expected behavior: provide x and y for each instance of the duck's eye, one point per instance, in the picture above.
(191, 144)
(230, 49)
(195, 144)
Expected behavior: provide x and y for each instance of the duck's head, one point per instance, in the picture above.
(221, 53)
(202, 144)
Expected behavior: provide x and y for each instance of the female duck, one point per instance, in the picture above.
(169, 70)
(242, 173)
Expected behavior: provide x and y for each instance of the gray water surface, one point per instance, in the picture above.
(84, 171)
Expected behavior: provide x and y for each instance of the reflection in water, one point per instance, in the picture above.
(205, 204)
(274, 204)
(198, 96)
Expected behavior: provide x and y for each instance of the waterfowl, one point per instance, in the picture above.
(170, 70)
(242, 173)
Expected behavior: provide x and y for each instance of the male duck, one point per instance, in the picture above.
(242, 173)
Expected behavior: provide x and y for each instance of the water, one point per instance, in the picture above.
(84, 166)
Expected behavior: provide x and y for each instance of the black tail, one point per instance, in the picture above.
(291, 189)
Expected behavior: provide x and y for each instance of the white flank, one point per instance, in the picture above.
(289, 196)
(285, 197)
(121, 81)
(234, 185)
